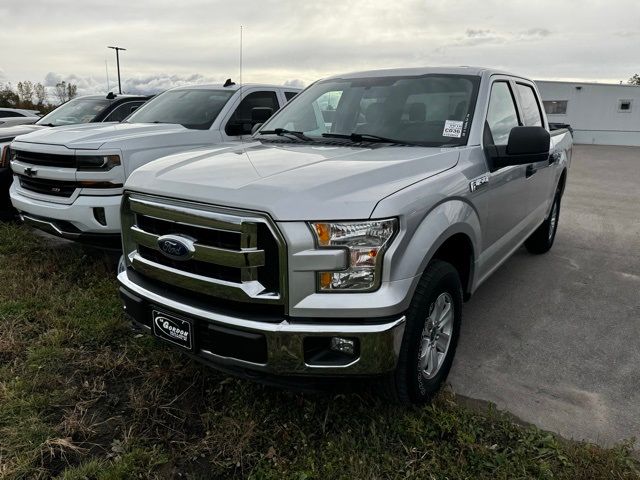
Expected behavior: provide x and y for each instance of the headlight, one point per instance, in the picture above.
(97, 162)
(365, 243)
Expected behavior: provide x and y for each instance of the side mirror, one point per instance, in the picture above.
(260, 114)
(525, 145)
(256, 127)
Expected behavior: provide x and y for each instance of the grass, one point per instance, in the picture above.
(84, 397)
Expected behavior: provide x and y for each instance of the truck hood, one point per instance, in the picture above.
(9, 133)
(92, 136)
(292, 181)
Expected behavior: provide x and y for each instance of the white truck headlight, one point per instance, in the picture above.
(97, 162)
(365, 243)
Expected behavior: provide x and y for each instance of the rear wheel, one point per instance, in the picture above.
(430, 337)
(542, 239)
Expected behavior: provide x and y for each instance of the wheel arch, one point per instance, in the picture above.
(450, 232)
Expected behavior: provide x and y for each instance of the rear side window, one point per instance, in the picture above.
(502, 115)
(122, 111)
(5, 114)
(530, 109)
(290, 95)
(241, 121)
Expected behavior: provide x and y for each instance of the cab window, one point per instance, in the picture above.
(530, 109)
(502, 115)
(244, 118)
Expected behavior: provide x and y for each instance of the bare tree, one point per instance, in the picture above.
(26, 92)
(40, 93)
(635, 80)
(65, 91)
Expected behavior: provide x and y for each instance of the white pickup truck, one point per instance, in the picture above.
(68, 180)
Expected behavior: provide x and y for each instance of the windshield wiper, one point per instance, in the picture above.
(366, 137)
(281, 132)
(47, 124)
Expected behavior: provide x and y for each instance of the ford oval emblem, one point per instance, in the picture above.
(176, 247)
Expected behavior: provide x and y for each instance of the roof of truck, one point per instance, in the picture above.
(235, 86)
(394, 72)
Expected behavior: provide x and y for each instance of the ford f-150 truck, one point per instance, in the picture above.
(68, 180)
(344, 239)
(85, 109)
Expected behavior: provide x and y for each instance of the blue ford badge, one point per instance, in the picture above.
(176, 247)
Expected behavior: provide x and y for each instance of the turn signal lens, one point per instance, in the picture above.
(323, 233)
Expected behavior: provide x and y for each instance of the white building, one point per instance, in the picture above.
(603, 114)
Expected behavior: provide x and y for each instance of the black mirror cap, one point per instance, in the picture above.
(260, 114)
(528, 141)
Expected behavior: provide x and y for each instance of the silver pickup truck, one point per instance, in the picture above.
(343, 239)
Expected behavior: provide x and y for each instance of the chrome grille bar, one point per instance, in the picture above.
(204, 253)
(246, 291)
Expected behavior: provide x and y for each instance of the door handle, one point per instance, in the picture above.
(531, 170)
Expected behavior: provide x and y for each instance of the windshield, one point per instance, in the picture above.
(79, 110)
(192, 108)
(430, 110)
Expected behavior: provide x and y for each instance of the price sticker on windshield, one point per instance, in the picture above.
(452, 128)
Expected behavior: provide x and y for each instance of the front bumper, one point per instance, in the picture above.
(78, 221)
(286, 339)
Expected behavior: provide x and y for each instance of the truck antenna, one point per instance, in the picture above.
(106, 70)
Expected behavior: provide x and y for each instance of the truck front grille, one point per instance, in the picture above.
(57, 188)
(45, 159)
(237, 255)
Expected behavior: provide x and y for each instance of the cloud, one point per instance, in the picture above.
(286, 40)
(296, 82)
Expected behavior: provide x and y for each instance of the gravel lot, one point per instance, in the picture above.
(554, 339)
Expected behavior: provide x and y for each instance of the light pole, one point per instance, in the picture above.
(117, 49)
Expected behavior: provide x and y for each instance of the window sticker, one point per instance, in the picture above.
(452, 128)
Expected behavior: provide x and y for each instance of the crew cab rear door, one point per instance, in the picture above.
(540, 174)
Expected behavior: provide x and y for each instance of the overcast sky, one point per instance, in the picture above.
(173, 42)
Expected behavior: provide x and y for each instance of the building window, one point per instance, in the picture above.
(624, 106)
(555, 107)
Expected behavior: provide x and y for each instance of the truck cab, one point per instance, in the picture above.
(342, 241)
(68, 180)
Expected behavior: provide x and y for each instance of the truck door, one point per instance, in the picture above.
(539, 175)
(243, 117)
(506, 188)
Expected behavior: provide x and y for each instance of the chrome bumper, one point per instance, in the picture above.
(379, 343)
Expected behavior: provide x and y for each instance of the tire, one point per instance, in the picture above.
(415, 379)
(541, 240)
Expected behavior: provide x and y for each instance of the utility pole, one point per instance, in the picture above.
(117, 49)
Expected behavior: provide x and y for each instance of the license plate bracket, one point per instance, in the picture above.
(173, 329)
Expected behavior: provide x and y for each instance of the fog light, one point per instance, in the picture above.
(99, 215)
(343, 345)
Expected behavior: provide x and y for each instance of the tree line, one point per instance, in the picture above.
(34, 96)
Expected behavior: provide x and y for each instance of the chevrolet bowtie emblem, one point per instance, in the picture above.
(31, 172)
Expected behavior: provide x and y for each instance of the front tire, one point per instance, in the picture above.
(541, 240)
(430, 337)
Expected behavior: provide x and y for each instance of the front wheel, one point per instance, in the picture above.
(541, 240)
(430, 337)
